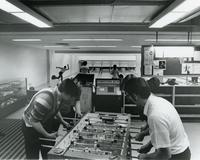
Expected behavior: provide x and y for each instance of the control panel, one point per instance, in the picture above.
(108, 87)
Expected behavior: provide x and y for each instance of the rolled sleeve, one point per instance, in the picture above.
(159, 132)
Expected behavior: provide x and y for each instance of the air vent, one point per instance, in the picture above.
(74, 48)
(62, 44)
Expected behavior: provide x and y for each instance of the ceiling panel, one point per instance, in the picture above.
(123, 19)
(134, 14)
(78, 14)
(74, 14)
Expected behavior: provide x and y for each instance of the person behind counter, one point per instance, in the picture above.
(115, 72)
(167, 133)
(39, 114)
(84, 68)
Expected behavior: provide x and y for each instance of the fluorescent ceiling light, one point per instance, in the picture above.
(187, 6)
(173, 14)
(107, 46)
(26, 40)
(96, 46)
(167, 19)
(173, 40)
(16, 8)
(136, 46)
(174, 51)
(8, 7)
(29, 18)
(91, 39)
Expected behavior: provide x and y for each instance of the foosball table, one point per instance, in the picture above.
(97, 136)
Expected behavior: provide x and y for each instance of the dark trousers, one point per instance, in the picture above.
(32, 142)
(60, 75)
(186, 155)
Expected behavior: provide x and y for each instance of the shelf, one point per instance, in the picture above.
(187, 95)
(163, 95)
(185, 106)
(190, 115)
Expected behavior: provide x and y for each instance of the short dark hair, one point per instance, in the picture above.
(137, 86)
(129, 76)
(114, 66)
(84, 63)
(68, 86)
(154, 84)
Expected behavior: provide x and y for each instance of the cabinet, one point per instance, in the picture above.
(186, 100)
(12, 95)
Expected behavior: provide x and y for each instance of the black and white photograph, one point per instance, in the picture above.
(162, 64)
(99, 79)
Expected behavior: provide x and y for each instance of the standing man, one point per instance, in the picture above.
(38, 115)
(84, 68)
(115, 72)
(167, 133)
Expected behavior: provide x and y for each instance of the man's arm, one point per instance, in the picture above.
(160, 137)
(39, 128)
(140, 136)
(145, 148)
(78, 108)
(59, 67)
(159, 154)
(60, 118)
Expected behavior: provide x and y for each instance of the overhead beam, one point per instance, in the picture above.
(97, 27)
(94, 2)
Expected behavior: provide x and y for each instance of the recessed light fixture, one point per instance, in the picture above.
(18, 9)
(92, 39)
(175, 12)
(26, 40)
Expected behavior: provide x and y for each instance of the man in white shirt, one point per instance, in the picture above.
(167, 133)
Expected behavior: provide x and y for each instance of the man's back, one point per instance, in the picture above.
(41, 107)
(166, 128)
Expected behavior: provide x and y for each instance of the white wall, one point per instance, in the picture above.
(134, 57)
(18, 61)
(107, 56)
(61, 59)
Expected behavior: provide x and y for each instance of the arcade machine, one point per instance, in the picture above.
(108, 96)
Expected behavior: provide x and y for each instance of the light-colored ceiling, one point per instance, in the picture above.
(122, 19)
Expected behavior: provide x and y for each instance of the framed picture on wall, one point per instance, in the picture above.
(162, 64)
